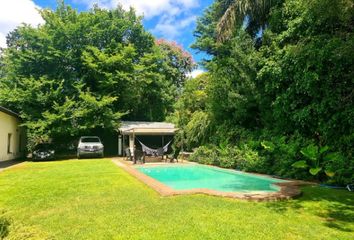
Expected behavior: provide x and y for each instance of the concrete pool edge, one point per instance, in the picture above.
(288, 190)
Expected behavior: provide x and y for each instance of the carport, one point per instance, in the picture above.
(133, 134)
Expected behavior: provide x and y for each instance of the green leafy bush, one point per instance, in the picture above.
(318, 160)
(241, 158)
(344, 171)
(205, 155)
(280, 152)
(291, 157)
(247, 159)
(197, 129)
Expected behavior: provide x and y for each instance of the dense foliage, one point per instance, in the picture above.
(280, 85)
(83, 71)
(277, 98)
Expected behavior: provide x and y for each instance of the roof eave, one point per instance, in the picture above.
(9, 112)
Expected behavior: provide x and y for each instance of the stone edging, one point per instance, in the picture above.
(287, 190)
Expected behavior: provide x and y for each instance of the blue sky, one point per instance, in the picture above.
(170, 19)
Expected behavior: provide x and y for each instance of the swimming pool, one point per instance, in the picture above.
(188, 177)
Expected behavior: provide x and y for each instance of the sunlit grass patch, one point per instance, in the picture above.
(94, 199)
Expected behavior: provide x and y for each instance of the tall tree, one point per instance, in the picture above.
(294, 86)
(178, 62)
(306, 72)
(236, 11)
(82, 71)
(190, 114)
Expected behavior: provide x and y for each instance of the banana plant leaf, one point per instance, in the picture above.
(315, 171)
(300, 164)
(323, 149)
(311, 152)
(329, 173)
(334, 156)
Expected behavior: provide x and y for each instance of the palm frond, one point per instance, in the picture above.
(236, 12)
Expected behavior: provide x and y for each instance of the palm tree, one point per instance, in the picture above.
(257, 12)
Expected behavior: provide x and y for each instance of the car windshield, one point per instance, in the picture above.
(90, 140)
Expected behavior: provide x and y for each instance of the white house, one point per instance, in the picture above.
(12, 136)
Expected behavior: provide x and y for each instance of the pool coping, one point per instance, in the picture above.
(288, 190)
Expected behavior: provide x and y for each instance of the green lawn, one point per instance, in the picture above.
(95, 199)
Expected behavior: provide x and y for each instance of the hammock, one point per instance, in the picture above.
(152, 151)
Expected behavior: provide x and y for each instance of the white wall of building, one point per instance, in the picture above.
(12, 138)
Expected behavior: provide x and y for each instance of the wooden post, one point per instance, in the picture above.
(133, 152)
(132, 143)
(120, 145)
(163, 143)
(124, 155)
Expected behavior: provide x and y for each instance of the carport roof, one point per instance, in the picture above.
(147, 128)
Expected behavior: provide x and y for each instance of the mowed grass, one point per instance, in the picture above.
(95, 199)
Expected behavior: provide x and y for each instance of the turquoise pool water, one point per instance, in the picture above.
(199, 176)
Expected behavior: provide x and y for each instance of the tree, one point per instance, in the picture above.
(292, 89)
(84, 71)
(309, 53)
(232, 92)
(256, 11)
(190, 113)
(178, 62)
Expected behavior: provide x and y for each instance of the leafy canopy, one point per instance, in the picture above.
(281, 81)
(83, 71)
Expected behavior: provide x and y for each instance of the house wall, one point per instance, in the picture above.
(10, 125)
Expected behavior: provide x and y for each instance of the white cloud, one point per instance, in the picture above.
(173, 15)
(148, 8)
(170, 27)
(2, 39)
(151, 8)
(15, 12)
(187, 21)
(196, 73)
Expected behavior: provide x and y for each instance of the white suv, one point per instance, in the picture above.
(90, 146)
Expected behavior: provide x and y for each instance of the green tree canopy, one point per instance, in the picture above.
(283, 72)
(82, 71)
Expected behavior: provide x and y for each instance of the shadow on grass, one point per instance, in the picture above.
(4, 226)
(283, 206)
(9, 163)
(335, 206)
(66, 157)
